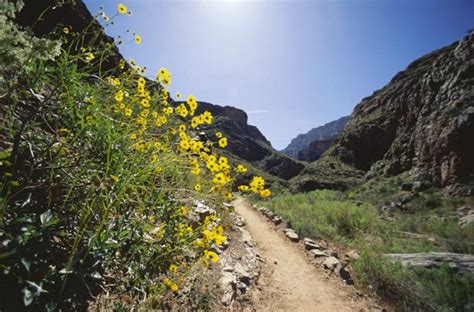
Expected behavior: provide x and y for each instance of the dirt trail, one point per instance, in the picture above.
(289, 282)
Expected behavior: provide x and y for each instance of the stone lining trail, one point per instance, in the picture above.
(288, 281)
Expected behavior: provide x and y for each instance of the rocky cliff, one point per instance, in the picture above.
(247, 143)
(315, 150)
(422, 123)
(302, 142)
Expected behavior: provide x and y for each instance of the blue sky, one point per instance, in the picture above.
(291, 65)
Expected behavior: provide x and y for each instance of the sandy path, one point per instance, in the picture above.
(289, 282)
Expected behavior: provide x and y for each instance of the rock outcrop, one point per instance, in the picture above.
(461, 262)
(304, 142)
(420, 123)
(246, 142)
(315, 150)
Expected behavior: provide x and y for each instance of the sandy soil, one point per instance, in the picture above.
(289, 282)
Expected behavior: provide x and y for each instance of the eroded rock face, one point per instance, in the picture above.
(315, 150)
(421, 122)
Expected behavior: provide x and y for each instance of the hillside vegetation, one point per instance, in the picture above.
(100, 174)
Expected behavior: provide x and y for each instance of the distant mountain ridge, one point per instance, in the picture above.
(326, 132)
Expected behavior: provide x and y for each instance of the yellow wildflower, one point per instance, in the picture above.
(223, 142)
(119, 96)
(184, 144)
(171, 284)
(168, 111)
(122, 9)
(220, 179)
(183, 211)
(173, 268)
(265, 193)
(89, 57)
(227, 195)
(243, 188)
(211, 255)
(138, 39)
(191, 100)
(145, 103)
(257, 184)
(241, 169)
(206, 117)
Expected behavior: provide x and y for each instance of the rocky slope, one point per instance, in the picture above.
(302, 142)
(247, 143)
(421, 123)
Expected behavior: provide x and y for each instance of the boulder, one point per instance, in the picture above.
(466, 216)
(310, 244)
(242, 274)
(276, 220)
(318, 253)
(345, 275)
(331, 263)
(202, 210)
(352, 255)
(462, 262)
(227, 280)
(292, 235)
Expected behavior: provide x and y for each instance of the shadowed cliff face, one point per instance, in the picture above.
(421, 122)
(315, 150)
(248, 143)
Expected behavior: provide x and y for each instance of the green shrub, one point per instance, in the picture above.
(414, 289)
(324, 213)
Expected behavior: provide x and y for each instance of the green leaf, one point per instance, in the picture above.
(7, 254)
(47, 219)
(26, 264)
(28, 296)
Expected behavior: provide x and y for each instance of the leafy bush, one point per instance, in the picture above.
(324, 213)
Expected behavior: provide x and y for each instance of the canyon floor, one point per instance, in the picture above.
(288, 281)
